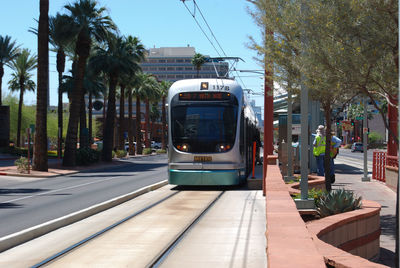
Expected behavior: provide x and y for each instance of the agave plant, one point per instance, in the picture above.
(338, 201)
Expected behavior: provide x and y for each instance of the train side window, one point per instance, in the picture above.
(241, 142)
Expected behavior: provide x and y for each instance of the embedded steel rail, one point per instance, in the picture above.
(160, 259)
(86, 240)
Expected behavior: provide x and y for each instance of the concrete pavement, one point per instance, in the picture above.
(350, 178)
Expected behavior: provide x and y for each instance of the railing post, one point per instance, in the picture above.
(374, 160)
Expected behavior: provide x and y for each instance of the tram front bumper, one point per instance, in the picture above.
(204, 177)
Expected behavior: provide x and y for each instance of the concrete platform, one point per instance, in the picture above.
(231, 234)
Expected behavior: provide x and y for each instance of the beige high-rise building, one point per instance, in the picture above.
(175, 63)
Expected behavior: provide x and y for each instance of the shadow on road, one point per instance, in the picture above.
(4, 191)
(9, 205)
(346, 169)
(132, 167)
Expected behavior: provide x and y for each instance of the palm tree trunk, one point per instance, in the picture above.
(1, 81)
(121, 138)
(139, 148)
(147, 123)
(60, 117)
(130, 132)
(90, 108)
(40, 151)
(60, 70)
(164, 124)
(21, 101)
(83, 134)
(82, 49)
(108, 132)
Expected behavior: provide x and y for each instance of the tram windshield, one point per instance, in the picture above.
(204, 128)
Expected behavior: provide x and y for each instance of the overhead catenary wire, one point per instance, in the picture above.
(193, 14)
(198, 24)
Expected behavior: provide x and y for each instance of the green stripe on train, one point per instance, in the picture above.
(204, 177)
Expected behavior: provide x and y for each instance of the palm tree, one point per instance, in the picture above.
(198, 60)
(60, 38)
(89, 23)
(154, 115)
(139, 92)
(136, 50)
(22, 66)
(130, 85)
(40, 150)
(164, 87)
(151, 91)
(121, 137)
(8, 51)
(93, 86)
(114, 61)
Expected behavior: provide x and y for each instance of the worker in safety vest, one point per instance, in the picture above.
(319, 152)
(319, 149)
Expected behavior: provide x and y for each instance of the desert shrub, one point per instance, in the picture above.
(316, 194)
(22, 164)
(147, 151)
(121, 153)
(338, 201)
(374, 137)
(86, 156)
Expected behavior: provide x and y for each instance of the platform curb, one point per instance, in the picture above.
(21, 237)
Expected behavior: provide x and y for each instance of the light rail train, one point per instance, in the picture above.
(211, 130)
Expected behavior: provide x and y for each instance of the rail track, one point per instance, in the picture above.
(142, 239)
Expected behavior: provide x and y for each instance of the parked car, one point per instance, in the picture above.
(155, 145)
(357, 146)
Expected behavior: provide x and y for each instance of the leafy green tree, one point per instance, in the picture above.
(28, 118)
(8, 51)
(22, 65)
(89, 22)
(328, 47)
(198, 60)
(164, 87)
(114, 61)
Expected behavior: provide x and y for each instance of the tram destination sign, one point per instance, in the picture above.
(204, 96)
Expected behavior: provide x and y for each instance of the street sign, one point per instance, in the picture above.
(346, 125)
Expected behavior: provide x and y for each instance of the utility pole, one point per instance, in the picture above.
(304, 202)
(365, 143)
(268, 112)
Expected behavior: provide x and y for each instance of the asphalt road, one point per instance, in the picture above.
(25, 203)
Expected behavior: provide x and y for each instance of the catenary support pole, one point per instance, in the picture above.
(365, 141)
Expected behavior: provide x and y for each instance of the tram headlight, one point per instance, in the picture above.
(223, 147)
(184, 147)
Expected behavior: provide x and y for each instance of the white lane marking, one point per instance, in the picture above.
(58, 190)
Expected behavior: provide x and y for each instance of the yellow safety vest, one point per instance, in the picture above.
(319, 147)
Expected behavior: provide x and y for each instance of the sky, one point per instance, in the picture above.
(157, 23)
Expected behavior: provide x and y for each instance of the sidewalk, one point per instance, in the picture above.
(379, 192)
